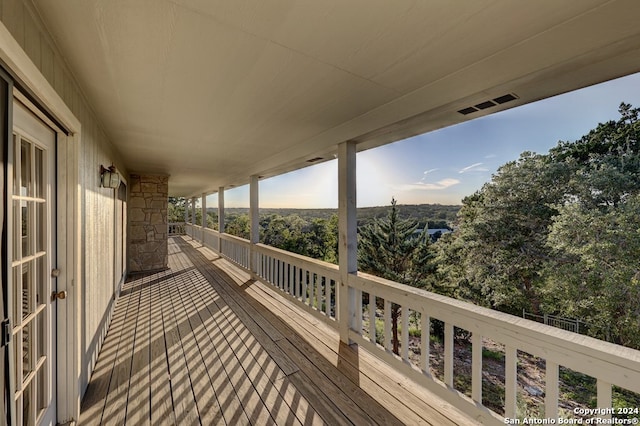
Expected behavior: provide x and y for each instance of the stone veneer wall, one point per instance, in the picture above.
(148, 227)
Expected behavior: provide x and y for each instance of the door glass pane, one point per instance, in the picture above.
(18, 357)
(27, 349)
(42, 337)
(17, 291)
(41, 282)
(43, 385)
(39, 172)
(17, 231)
(27, 408)
(27, 281)
(25, 168)
(16, 162)
(41, 227)
(25, 228)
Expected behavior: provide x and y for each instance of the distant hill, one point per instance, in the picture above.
(438, 215)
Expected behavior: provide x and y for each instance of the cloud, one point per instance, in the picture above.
(426, 172)
(474, 168)
(490, 156)
(421, 186)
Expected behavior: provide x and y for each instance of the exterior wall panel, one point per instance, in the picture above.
(97, 213)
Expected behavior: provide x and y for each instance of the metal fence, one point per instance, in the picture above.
(569, 324)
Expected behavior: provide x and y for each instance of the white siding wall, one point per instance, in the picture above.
(98, 204)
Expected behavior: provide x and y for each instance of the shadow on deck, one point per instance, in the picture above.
(201, 343)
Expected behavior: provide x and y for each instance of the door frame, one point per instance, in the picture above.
(38, 94)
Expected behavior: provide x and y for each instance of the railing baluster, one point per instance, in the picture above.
(448, 354)
(604, 397)
(295, 281)
(425, 326)
(272, 271)
(356, 309)
(319, 292)
(285, 277)
(303, 285)
(327, 295)
(551, 390)
(476, 367)
(387, 325)
(311, 287)
(372, 318)
(405, 332)
(510, 381)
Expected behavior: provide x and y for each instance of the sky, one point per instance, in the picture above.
(444, 166)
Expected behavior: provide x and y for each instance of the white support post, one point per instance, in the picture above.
(186, 210)
(347, 225)
(193, 211)
(220, 216)
(254, 229)
(204, 214)
(193, 217)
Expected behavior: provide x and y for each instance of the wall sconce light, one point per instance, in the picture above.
(109, 178)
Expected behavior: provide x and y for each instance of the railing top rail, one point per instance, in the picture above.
(310, 263)
(238, 240)
(212, 231)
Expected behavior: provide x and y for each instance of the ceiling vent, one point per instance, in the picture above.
(486, 104)
(314, 160)
(489, 104)
(467, 110)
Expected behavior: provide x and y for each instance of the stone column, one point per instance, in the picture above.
(148, 227)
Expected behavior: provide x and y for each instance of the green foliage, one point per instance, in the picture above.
(175, 209)
(238, 225)
(496, 355)
(596, 265)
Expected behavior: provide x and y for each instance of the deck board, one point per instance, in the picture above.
(201, 344)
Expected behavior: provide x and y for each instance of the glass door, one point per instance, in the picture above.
(31, 310)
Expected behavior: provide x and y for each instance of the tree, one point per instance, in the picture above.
(238, 225)
(595, 275)
(558, 233)
(390, 248)
(175, 209)
(595, 238)
(502, 235)
(322, 239)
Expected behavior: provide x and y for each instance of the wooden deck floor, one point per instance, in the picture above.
(203, 344)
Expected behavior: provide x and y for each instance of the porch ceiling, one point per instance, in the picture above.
(211, 92)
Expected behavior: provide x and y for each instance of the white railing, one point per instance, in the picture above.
(308, 282)
(176, 228)
(235, 249)
(608, 363)
(312, 284)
